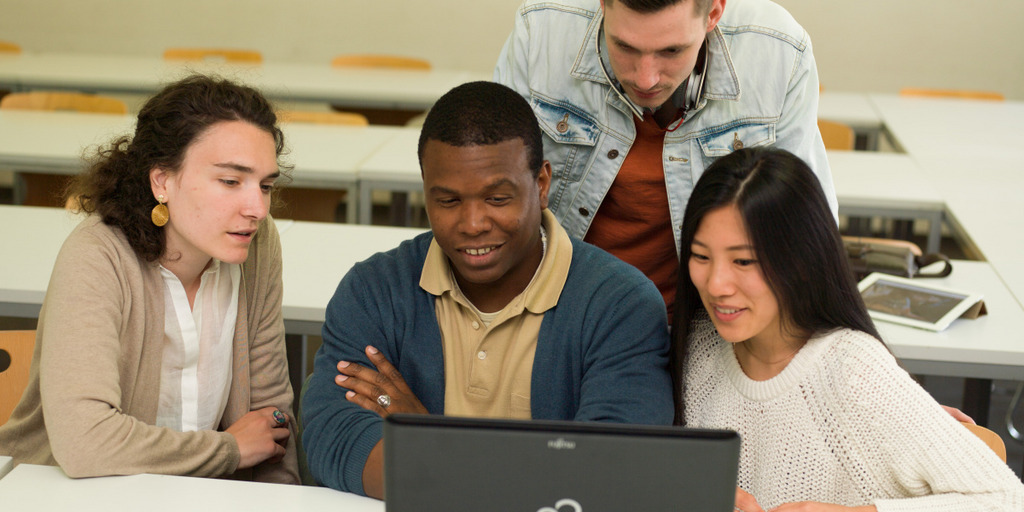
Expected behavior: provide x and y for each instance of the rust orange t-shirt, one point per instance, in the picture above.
(633, 222)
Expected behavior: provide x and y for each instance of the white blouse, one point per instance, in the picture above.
(195, 376)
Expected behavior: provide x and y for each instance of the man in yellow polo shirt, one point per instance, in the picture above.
(496, 312)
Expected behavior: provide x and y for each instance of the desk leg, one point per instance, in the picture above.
(977, 396)
(399, 208)
(296, 351)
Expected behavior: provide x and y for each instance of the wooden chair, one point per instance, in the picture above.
(337, 118)
(989, 437)
(226, 55)
(836, 135)
(73, 101)
(379, 61)
(15, 359)
(953, 93)
(9, 47)
(392, 117)
(47, 189)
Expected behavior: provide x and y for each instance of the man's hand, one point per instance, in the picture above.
(383, 391)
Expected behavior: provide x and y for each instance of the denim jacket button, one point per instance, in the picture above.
(584, 212)
(613, 154)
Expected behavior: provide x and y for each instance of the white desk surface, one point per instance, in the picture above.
(323, 156)
(31, 487)
(6, 465)
(55, 141)
(990, 347)
(882, 180)
(34, 235)
(378, 88)
(396, 160)
(317, 255)
(853, 109)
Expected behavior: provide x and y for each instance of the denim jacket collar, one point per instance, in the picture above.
(720, 84)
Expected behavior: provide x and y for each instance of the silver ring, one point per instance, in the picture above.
(384, 401)
(279, 417)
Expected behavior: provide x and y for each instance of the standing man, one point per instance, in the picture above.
(637, 97)
(495, 313)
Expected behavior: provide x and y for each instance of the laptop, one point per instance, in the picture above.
(438, 463)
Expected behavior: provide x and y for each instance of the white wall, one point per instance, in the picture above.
(865, 45)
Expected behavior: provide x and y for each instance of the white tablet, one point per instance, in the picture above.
(914, 302)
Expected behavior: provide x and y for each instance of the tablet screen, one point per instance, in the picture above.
(909, 301)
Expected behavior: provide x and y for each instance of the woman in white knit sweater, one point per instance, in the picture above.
(772, 340)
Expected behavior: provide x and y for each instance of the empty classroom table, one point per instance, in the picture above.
(322, 156)
(394, 167)
(854, 110)
(375, 88)
(33, 487)
(869, 183)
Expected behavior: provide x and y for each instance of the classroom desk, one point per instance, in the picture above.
(854, 110)
(989, 347)
(971, 152)
(315, 257)
(869, 183)
(6, 465)
(322, 156)
(373, 88)
(394, 167)
(32, 487)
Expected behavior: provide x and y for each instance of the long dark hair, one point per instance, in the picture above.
(117, 185)
(795, 239)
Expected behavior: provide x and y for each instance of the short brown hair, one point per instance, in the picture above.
(701, 7)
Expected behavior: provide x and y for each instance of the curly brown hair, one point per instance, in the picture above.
(117, 185)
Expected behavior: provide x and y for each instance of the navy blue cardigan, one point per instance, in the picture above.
(601, 355)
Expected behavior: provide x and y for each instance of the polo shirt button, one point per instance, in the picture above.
(476, 325)
(584, 212)
(613, 154)
(481, 355)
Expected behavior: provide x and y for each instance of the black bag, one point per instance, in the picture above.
(895, 258)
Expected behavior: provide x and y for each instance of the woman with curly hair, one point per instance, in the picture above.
(160, 344)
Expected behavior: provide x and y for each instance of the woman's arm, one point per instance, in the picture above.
(99, 373)
(268, 377)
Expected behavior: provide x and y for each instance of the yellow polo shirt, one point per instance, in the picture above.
(487, 368)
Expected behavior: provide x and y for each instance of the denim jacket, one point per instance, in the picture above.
(761, 88)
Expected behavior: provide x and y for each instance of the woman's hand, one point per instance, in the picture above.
(745, 502)
(261, 436)
(383, 391)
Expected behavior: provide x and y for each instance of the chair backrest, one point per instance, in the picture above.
(304, 116)
(989, 437)
(836, 135)
(227, 55)
(953, 93)
(9, 47)
(78, 102)
(379, 61)
(15, 359)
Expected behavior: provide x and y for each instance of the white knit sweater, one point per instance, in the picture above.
(844, 424)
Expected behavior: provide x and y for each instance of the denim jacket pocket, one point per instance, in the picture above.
(722, 142)
(570, 137)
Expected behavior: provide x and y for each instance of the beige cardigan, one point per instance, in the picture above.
(94, 384)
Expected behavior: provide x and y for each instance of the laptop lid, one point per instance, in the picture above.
(438, 463)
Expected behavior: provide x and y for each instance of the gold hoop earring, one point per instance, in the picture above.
(160, 215)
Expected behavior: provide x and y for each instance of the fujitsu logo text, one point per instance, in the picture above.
(561, 444)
